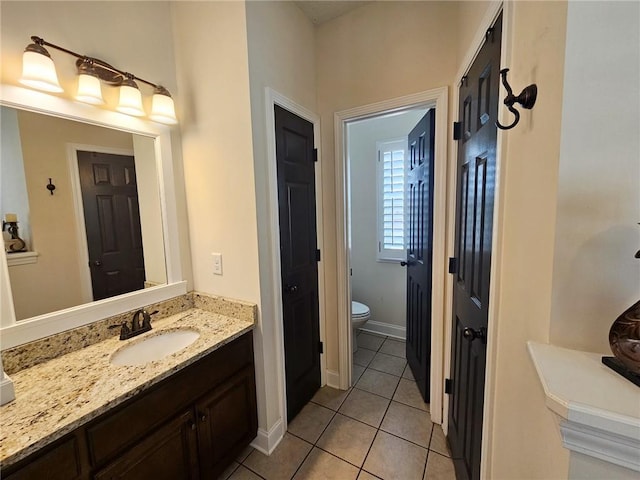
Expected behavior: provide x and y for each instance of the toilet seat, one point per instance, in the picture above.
(359, 310)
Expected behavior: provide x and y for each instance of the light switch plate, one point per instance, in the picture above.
(217, 263)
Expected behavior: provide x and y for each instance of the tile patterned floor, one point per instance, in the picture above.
(379, 429)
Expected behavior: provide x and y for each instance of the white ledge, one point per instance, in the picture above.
(601, 409)
(21, 258)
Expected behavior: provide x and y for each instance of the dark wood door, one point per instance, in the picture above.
(474, 221)
(169, 453)
(112, 222)
(420, 249)
(298, 244)
(227, 422)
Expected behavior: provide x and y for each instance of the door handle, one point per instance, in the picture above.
(98, 263)
(405, 264)
(471, 334)
(290, 288)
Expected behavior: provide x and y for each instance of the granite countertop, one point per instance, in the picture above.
(55, 397)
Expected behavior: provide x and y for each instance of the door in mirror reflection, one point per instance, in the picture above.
(112, 221)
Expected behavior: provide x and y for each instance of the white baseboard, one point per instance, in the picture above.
(333, 378)
(266, 442)
(388, 329)
(7, 392)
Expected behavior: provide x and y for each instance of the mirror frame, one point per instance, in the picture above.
(14, 332)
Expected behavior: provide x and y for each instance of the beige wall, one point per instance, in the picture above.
(213, 105)
(281, 56)
(525, 440)
(54, 282)
(380, 51)
(133, 36)
(382, 286)
(470, 14)
(597, 233)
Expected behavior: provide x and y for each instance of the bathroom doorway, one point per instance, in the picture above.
(387, 301)
(382, 152)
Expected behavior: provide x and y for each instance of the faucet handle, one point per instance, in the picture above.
(124, 330)
(146, 319)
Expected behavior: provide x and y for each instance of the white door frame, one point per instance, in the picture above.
(437, 98)
(86, 284)
(491, 15)
(273, 98)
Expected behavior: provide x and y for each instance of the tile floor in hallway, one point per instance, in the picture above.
(380, 428)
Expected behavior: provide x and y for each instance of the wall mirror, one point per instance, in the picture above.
(105, 239)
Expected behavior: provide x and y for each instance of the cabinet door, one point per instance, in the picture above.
(168, 453)
(61, 462)
(227, 422)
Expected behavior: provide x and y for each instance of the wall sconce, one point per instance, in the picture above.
(39, 72)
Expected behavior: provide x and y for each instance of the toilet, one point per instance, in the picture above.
(360, 313)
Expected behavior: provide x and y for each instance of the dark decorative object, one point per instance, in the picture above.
(51, 187)
(16, 244)
(527, 99)
(624, 340)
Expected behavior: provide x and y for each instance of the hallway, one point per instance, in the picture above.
(380, 428)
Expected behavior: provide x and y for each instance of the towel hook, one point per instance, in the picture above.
(527, 99)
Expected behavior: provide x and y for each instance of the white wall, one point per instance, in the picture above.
(379, 285)
(147, 180)
(595, 276)
(14, 197)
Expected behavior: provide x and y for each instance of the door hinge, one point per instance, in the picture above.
(453, 265)
(321, 347)
(317, 255)
(457, 130)
(448, 386)
(315, 154)
(351, 272)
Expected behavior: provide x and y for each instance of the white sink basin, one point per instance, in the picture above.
(154, 348)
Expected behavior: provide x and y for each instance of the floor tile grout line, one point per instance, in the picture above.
(314, 443)
(378, 428)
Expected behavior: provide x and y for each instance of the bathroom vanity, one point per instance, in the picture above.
(185, 416)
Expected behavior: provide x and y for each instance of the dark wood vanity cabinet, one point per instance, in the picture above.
(191, 425)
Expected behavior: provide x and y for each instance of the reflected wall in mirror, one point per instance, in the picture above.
(100, 234)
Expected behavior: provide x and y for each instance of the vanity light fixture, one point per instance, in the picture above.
(39, 72)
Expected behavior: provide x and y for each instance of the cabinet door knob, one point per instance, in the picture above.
(203, 417)
(192, 425)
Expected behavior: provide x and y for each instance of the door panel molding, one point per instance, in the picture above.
(438, 98)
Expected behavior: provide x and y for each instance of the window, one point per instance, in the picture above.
(391, 200)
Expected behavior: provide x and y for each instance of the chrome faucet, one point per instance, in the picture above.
(137, 327)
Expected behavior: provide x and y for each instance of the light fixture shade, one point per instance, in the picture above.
(162, 108)
(130, 99)
(38, 70)
(89, 89)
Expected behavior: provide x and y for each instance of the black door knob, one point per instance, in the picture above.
(471, 334)
(98, 263)
(290, 288)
